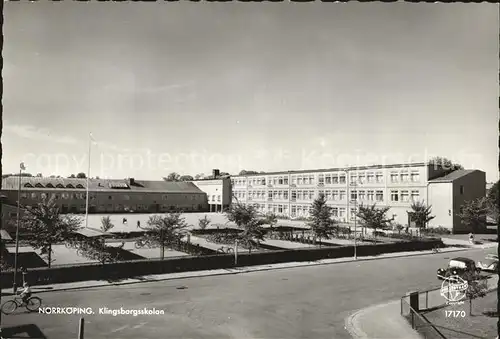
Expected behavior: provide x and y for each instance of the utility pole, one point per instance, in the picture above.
(21, 168)
(349, 184)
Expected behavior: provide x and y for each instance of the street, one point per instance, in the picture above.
(307, 302)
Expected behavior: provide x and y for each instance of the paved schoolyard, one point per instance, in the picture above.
(150, 253)
(61, 255)
(217, 219)
(207, 244)
(68, 256)
(289, 245)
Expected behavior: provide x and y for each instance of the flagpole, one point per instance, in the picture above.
(87, 195)
(21, 168)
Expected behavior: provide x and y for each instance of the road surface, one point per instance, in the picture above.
(307, 302)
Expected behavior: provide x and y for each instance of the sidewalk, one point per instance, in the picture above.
(466, 243)
(238, 270)
(384, 321)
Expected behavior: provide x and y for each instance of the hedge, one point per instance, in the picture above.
(128, 269)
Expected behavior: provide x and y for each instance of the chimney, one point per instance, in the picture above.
(131, 181)
(215, 173)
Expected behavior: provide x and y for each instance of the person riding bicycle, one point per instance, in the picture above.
(25, 292)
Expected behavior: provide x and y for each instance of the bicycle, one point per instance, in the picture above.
(140, 243)
(436, 250)
(225, 250)
(10, 306)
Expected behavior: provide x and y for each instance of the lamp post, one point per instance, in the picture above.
(21, 169)
(353, 184)
(355, 220)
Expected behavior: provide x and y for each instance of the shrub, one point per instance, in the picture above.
(436, 230)
(204, 222)
(379, 234)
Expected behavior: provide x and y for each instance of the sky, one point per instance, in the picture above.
(188, 87)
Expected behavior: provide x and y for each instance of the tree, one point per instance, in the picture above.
(204, 222)
(494, 202)
(199, 176)
(244, 172)
(247, 218)
(477, 287)
(373, 217)
(186, 178)
(421, 214)
(72, 176)
(81, 175)
(106, 224)
(445, 163)
(39, 175)
(271, 219)
(321, 222)
(163, 231)
(172, 177)
(473, 213)
(45, 226)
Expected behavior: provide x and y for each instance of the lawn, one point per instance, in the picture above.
(481, 324)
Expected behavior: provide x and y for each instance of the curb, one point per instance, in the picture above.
(352, 324)
(242, 270)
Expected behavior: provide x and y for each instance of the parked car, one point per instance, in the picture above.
(490, 264)
(458, 267)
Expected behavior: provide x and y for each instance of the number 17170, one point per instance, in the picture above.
(454, 314)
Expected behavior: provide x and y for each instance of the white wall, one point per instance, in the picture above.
(441, 200)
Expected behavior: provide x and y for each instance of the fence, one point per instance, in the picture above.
(130, 268)
(419, 322)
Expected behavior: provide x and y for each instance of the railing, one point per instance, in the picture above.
(420, 323)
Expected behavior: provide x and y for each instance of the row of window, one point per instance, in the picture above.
(77, 196)
(218, 197)
(367, 195)
(405, 177)
(332, 195)
(404, 195)
(332, 178)
(73, 196)
(49, 185)
(278, 208)
(121, 207)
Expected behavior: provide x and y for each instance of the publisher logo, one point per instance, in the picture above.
(454, 289)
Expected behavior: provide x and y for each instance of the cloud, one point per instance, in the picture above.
(166, 88)
(129, 85)
(36, 133)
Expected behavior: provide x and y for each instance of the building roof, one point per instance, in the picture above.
(453, 176)
(5, 235)
(337, 169)
(108, 185)
(90, 232)
(221, 178)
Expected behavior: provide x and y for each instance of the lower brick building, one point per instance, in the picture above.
(107, 196)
